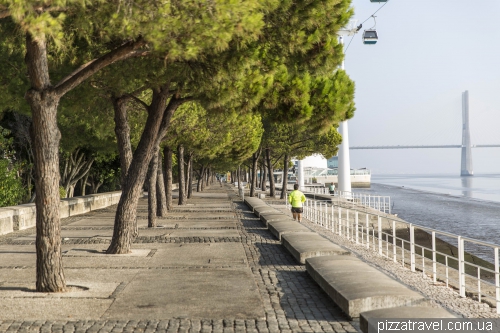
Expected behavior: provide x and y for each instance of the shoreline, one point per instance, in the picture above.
(437, 193)
(474, 219)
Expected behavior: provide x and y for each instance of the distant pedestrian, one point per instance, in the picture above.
(332, 189)
(296, 198)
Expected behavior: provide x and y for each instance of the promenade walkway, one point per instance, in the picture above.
(210, 267)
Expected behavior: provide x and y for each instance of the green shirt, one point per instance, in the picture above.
(296, 198)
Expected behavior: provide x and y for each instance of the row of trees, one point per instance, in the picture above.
(218, 80)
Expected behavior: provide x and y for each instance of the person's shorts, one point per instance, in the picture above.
(297, 210)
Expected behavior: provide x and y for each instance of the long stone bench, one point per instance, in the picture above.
(271, 217)
(303, 245)
(357, 287)
(283, 227)
(253, 202)
(368, 319)
(259, 207)
(262, 209)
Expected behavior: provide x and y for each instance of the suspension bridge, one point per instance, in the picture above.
(466, 146)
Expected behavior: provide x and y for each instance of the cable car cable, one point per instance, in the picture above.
(361, 25)
(349, 44)
(375, 12)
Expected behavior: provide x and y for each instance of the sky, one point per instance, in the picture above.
(409, 85)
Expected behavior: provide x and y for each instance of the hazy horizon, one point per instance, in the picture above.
(409, 85)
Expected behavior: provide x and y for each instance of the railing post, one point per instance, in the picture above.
(318, 216)
(315, 212)
(321, 220)
(327, 217)
(307, 212)
(356, 220)
(412, 247)
(348, 233)
(461, 266)
(379, 220)
(305, 208)
(332, 218)
(340, 221)
(394, 253)
(434, 268)
(497, 280)
(367, 230)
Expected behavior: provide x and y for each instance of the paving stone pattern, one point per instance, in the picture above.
(291, 300)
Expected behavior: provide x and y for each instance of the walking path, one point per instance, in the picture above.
(211, 267)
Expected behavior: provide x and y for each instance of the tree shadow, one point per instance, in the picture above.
(301, 298)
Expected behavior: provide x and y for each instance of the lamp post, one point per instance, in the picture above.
(300, 174)
(344, 167)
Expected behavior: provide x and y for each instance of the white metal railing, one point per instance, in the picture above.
(378, 202)
(384, 234)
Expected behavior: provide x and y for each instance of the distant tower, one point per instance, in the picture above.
(466, 169)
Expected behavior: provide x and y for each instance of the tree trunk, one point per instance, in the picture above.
(255, 160)
(160, 189)
(200, 179)
(76, 166)
(187, 173)
(190, 176)
(84, 184)
(207, 176)
(272, 187)
(167, 152)
(125, 228)
(203, 176)
(152, 180)
(43, 99)
(180, 165)
(45, 137)
(240, 186)
(285, 177)
(122, 131)
(264, 174)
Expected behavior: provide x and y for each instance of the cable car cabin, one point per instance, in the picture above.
(378, 0)
(370, 37)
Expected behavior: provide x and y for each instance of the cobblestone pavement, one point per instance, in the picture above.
(438, 293)
(292, 301)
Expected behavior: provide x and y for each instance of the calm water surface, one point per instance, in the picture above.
(484, 187)
(468, 206)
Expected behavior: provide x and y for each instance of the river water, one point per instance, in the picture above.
(465, 206)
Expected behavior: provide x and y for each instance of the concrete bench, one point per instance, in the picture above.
(368, 320)
(259, 210)
(357, 287)
(253, 202)
(270, 217)
(282, 227)
(303, 245)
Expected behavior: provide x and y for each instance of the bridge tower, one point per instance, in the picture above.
(466, 167)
